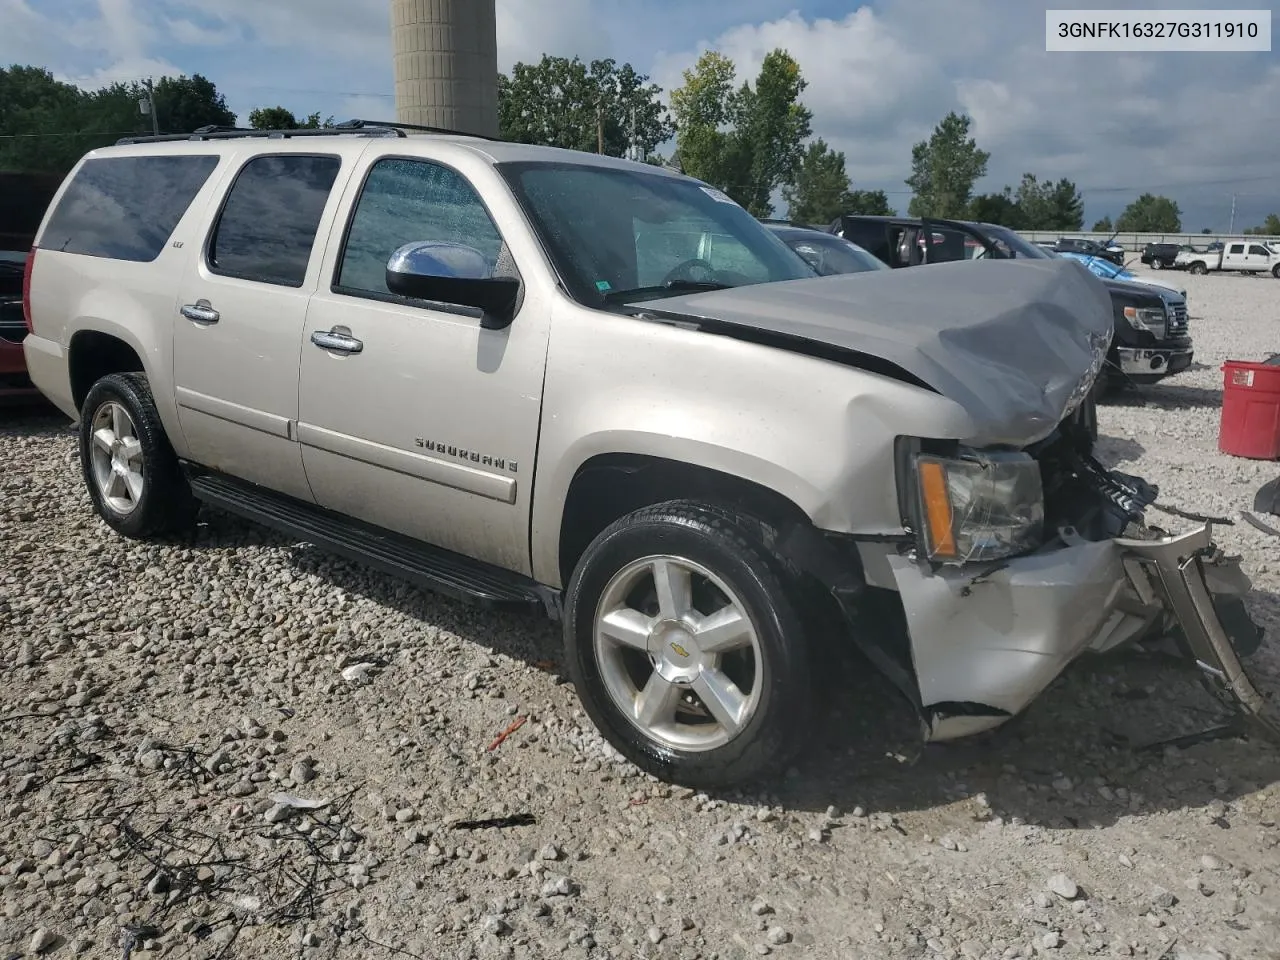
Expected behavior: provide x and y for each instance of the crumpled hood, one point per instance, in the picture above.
(1013, 342)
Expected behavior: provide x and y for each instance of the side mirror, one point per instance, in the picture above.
(453, 273)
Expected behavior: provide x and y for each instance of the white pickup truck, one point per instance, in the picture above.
(1247, 256)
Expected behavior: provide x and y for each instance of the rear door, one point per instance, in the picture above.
(1235, 258)
(240, 314)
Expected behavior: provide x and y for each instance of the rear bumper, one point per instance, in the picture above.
(47, 366)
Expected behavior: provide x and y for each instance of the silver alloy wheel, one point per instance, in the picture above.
(678, 653)
(116, 456)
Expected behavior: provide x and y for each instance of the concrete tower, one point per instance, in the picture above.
(446, 64)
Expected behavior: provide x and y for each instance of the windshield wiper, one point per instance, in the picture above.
(664, 288)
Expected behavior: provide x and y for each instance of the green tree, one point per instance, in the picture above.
(568, 103)
(748, 141)
(43, 123)
(771, 127)
(1066, 206)
(869, 203)
(281, 118)
(272, 118)
(1270, 227)
(1035, 203)
(944, 169)
(185, 104)
(1103, 226)
(821, 189)
(702, 108)
(1150, 214)
(1205, 230)
(999, 208)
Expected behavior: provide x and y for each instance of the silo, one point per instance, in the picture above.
(446, 63)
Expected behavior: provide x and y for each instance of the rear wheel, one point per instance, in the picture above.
(686, 648)
(1198, 268)
(1157, 264)
(1275, 271)
(130, 469)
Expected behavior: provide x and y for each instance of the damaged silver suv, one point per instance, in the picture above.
(532, 376)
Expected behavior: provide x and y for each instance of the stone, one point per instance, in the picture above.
(1063, 886)
(777, 936)
(42, 940)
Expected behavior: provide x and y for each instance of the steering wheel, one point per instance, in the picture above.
(684, 271)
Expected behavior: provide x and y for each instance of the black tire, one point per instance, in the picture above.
(1275, 271)
(165, 505)
(734, 549)
(1157, 264)
(1198, 269)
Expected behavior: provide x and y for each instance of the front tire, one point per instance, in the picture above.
(1157, 264)
(1275, 271)
(130, 469)
(685, 646)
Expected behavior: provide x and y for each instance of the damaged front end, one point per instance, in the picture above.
(1003, 588)
(1008, 589)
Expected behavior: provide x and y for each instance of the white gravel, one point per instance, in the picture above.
(187, 770)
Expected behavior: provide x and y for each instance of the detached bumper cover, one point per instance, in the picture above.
(985, 643)
(1201, 591)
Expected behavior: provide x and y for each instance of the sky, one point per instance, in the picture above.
(1199, 128)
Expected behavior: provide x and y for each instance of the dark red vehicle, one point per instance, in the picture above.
(24, 197)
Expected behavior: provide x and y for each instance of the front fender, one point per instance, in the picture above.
(817, 432)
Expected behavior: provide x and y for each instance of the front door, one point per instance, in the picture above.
(241, 310)
(417, 419)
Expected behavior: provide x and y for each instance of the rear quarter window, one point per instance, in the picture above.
(126, 208)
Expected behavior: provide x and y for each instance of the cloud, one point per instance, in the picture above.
(529, 28)
(881, 74)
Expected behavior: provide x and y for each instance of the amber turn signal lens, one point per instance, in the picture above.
(937, 507)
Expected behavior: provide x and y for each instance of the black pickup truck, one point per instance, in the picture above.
(1151, 336)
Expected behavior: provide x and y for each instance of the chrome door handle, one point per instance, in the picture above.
(339, 342)
(200, 312)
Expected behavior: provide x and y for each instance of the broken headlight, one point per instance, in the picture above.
(1152, 319)
(981, 505)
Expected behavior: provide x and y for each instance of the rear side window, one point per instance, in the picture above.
(1236, 248)
(268, 224)
(126, 208)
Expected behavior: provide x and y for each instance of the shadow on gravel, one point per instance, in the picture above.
(1165, 396)
(1089, 752)
(1076, 759)
(31, 418)
(1113, 450)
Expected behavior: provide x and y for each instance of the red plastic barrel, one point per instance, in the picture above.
(1250, 424)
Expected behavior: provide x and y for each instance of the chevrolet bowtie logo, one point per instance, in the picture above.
(680, 651)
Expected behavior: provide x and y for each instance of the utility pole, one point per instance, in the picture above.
(148, 106)
(600, 125)
(633, 151)
(1232, 228)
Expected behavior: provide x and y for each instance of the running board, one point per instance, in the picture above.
(440, 571)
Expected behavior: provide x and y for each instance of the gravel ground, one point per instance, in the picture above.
(171, 715)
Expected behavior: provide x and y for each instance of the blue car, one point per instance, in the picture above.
(1109, 271)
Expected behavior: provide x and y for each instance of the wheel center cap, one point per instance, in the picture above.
(675, 652)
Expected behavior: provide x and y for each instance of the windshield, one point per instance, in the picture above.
(619, 234)
(831, 254)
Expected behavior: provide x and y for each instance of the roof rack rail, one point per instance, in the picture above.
(419, 128)
(363, 128)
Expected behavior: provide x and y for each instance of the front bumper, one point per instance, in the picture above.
(1153, 363)
(986, 642)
